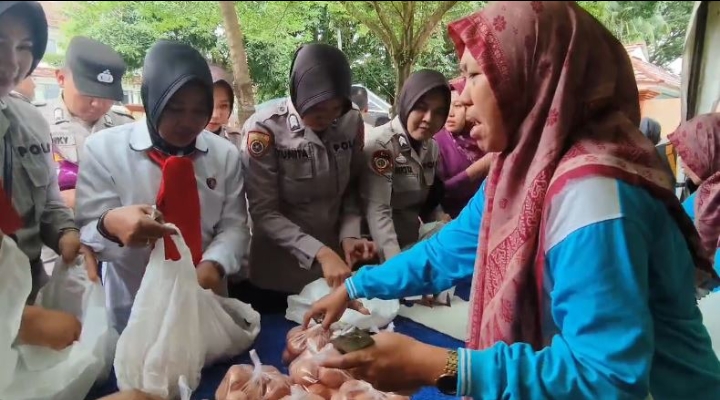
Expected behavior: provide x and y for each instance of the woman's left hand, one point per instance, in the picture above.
(395, 363)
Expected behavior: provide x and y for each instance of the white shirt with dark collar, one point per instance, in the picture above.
(116, 171)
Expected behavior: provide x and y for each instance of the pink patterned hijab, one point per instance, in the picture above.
(567, 92)
(698, 143)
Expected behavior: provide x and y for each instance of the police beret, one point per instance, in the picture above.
(96, 68)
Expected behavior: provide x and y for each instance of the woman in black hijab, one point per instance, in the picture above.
(402, 159)
(178, 87)
(191, 176)
(32, 212)
(26, 19)
(651, 129)
(302, 160)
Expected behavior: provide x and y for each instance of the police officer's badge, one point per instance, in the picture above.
(403, 143)
(294, 123)
(382, 162)
(105, 77)
(258, 143)
(212, 183)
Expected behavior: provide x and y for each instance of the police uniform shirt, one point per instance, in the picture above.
(395, 186)
(69, 132)
(28, 164)
(302, 193)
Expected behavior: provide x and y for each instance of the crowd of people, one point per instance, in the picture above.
(529, 176)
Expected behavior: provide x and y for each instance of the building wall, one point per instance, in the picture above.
(665, 111)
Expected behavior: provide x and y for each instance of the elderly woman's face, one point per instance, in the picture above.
(483, 112)
(16, 46)
(185, 115)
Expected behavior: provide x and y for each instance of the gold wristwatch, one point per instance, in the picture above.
(447, 382)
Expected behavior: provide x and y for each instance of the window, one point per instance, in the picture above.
(46, 91)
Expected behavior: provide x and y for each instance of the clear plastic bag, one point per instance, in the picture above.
(361, 390)
(298, 339)
(306, 369)
(253, 382)
(298, 392)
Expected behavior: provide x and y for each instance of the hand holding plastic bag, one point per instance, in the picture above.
(380, 312)
(68, 374)
(15, 286)
(162, 342)
(176, 327)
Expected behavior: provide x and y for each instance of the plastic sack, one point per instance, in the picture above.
(253, 382)
(68, 374)
(228, 326)
(176, 327)
(710, 309)
(306, 369)
(361, 390)
(382, 312)
(15, 286)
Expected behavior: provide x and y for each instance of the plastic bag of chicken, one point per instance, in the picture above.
(306, 371)
(361, 390)
(253, 382)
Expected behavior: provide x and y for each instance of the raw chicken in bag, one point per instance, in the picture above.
(176, 327)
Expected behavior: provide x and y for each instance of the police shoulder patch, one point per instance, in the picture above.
(258, 143)
(382, 162)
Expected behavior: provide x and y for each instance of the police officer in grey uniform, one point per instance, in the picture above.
(303, 159)
(401, 160)
(91, 80)
(26, 163)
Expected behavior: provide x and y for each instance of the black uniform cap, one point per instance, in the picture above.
(96, 68)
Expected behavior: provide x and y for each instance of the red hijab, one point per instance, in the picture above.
(698, 143)
(567, 93)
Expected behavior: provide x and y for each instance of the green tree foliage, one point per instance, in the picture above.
(378, 48)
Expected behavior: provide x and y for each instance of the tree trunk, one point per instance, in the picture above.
(403, 67)
(241, 71)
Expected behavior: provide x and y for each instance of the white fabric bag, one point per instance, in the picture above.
(15, 286)
(175, 327)
(68, 374)
(382, 312)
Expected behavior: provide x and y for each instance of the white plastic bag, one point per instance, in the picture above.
(69, 374)
(15, 286)
(382, 312)
(175, 327)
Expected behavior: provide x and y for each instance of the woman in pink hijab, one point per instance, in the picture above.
(698, 143)
(584, 265)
